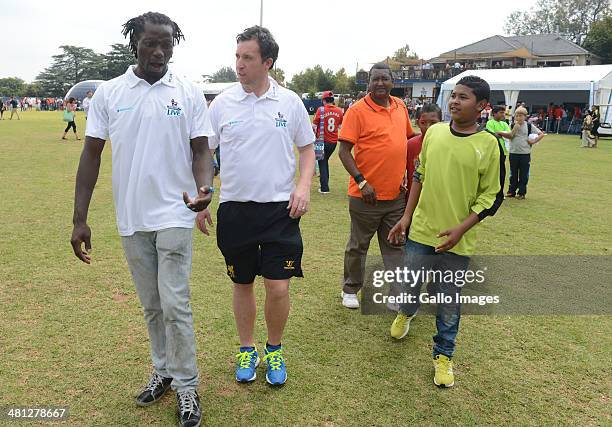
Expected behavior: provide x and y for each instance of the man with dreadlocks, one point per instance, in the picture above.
(158, 123)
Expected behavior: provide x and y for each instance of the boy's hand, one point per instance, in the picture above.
(454, 235)
(397, 235)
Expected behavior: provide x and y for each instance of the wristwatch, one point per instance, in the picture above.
(362, 184)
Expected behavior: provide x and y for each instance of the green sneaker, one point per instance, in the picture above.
(401, 326)
(444, 371)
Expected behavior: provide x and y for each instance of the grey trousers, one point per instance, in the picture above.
(365, 221)
(160, 263)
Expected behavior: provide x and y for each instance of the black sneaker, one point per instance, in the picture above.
(154, 390)
(189, 411)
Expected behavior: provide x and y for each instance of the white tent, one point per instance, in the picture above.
(214, 89)
(594, 82)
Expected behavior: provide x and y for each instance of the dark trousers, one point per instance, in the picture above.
(324, 166)
(70, 125)
(519, 173)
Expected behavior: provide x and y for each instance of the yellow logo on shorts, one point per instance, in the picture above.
(230, 271)
(290, 265)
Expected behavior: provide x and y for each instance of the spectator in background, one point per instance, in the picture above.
(86, 102)
(2, 109)
(588, 140)
(596, 123)
(430, 115)
(14, 104)
(550, 115)
(326, 123)
(520, 153)
(558, 113)
(69, 116)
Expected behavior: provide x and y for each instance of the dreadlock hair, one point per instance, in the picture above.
(135, 26)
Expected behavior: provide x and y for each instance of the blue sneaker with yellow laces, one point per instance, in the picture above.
(248, 361)
(276, 372)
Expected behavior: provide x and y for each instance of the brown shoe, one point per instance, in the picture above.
(520, 197)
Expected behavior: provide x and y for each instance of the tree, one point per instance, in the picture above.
(12, 86)
(279, 75)
(73, 65)
(404, 53)
(599, 39)
(117, 60)
(224, 75)
(341, 82)
(312, 80)
(570, 18)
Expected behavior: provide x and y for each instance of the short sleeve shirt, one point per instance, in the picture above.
(150, 128)
(332, 119)
(380, 138)
(257, 138)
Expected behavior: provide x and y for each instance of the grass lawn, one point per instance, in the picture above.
(74, 335)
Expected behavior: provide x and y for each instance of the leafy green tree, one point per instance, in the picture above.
(312, 80)
(570, 18)
(599, 39)
(279, 75)
(404, 53)
(117, 61)
(73, 65)
(341, 82)
(12, 86)
(224, 75)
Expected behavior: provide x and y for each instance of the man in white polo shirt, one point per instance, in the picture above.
(257, 124)
(158, 124)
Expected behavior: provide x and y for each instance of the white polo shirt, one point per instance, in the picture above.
(257, 138)
(150, 127)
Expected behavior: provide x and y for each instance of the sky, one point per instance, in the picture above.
(334, 34)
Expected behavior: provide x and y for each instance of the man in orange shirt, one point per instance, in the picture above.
(328, 128)
(378, 127)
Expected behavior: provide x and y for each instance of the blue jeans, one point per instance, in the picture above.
(419, 256)
(324, 166)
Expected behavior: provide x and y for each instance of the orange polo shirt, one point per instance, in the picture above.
(380, 137)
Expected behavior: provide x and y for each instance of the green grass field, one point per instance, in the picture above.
(73, 335)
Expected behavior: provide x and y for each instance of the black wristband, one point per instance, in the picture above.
(358, 178)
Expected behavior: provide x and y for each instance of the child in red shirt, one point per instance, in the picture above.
(429, 115)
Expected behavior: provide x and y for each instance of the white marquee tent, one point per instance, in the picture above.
(591, 85)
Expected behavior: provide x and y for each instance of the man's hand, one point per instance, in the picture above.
(454, 235)
(368, 194)
(201, 219)
(81, 233)
(201, 201)
(397, 235)
(299, 202)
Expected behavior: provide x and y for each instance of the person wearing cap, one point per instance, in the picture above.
(377, 128)
(326, 122)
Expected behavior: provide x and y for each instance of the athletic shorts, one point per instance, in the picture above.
(259, 239)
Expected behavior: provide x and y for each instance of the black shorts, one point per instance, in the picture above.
(259, 239)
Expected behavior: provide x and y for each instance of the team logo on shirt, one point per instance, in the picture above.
(281, 122)
(174, 109)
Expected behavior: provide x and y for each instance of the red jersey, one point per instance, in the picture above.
(414, 149)
(332, 119)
